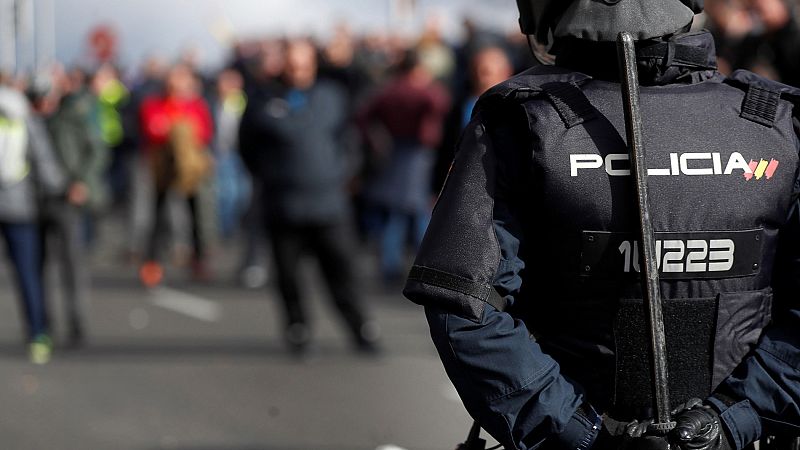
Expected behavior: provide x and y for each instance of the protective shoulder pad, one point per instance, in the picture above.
(762, 96)
(561, 86)
(751, 79)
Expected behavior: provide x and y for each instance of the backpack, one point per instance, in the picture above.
(182, 163)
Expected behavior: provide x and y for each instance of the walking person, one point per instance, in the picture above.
(28, 173)
(289, 137)
(177, 129)
(83, 157)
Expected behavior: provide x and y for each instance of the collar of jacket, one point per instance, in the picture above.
(680, 58)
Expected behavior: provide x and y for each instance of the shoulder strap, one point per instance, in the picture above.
(553, 81)
(572, 105)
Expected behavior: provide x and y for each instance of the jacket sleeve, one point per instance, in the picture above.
(250, 142)
(150, 134)
(762, 396)
(205, 121)
(507, 383)
(77, 138)
(49, 175)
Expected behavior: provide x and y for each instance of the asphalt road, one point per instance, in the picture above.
(202, 367)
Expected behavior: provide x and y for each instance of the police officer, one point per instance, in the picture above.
(529, 268)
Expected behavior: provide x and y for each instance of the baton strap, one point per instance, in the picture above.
(677, 54)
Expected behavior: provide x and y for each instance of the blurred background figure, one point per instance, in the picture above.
(291, 141)
(758, 35)
(29, 174)
(263, 71)
(132, 165)
(339, 63)
(177, 129)
(232, 181)
(114, 121)
(70, 111)
(488, 66)
(434, 53)
(402, 124)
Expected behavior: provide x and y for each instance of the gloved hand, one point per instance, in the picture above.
(615, 435)
(698, 427)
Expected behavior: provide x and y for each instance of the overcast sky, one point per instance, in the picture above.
(165, 27)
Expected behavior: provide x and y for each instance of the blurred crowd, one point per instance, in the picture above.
(297, 147)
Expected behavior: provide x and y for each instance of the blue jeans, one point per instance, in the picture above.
(233, 192)
(395, 236)
(24, 249)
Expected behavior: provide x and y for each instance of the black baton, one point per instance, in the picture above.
(626, 54)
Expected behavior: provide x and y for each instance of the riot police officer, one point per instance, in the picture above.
(528, 271)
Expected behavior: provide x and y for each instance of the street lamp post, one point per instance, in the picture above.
(8, 36)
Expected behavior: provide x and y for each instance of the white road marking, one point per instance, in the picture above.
(187, 304)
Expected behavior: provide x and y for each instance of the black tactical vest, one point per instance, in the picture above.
(722, 161)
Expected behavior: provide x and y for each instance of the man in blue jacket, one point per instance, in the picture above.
(529, 268)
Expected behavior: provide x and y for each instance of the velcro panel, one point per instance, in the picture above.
(761, 105)
(689, 326)
(741, 320)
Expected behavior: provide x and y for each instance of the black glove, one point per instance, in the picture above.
(615, 435)
(698, 427)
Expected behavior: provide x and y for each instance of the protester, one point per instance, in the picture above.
(28, 174)
(488, 66)
(69, 109)
(177, 129)
(232, 183)
(290, 139)
(411, 111)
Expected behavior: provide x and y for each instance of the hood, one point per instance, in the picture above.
(602, 21)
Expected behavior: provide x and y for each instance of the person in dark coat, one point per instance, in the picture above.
(289, 139)
(83, 157)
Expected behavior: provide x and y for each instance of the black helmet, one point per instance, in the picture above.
(602, 20)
